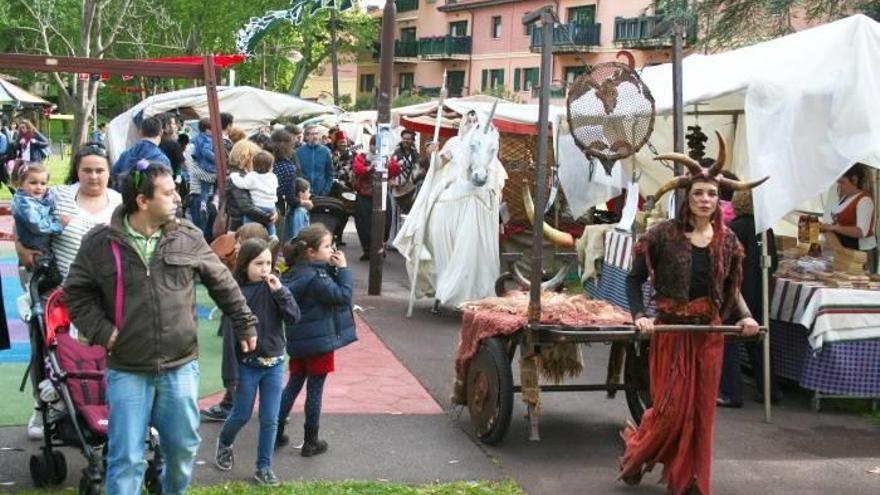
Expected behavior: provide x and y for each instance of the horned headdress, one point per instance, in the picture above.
(697, 172)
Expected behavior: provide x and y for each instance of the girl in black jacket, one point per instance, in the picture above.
(261, 369)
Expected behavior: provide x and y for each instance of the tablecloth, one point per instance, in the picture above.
(830, 314)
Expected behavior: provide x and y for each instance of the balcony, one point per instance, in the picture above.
(406, 50)
(406, 5)
(642, 32)
(568, 38)
(445, 47)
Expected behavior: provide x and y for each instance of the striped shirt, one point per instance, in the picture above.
(66, 244)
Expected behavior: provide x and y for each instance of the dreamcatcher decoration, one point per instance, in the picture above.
(257, 27)
(610, 112)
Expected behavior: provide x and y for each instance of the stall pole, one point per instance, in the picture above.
(677, 102)
(380, 176)
(546, 16)
(765, 320)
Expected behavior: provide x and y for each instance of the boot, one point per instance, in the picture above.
(281, 440)
(311, 445)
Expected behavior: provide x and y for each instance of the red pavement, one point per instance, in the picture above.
(368, 380)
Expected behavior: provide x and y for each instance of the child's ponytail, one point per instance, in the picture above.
(308, 238)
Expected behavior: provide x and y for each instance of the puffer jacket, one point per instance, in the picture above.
(159, 329)
(324, 297)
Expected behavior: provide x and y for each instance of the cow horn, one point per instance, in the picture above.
(740, 185)
(691, 164)
(557, 237)
(721, 158)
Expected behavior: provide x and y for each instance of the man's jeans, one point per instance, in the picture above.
(168, 402)
(269, 228)
(269, 382)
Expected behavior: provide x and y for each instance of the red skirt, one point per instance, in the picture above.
(677, 431)
(321, 364)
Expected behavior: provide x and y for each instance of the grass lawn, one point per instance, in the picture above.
(346, 488)
(58, 169)
(17, 410)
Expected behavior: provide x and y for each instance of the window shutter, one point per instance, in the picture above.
(501, 79)
(485, 81)
(516, 73)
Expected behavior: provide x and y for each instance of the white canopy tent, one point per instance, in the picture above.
(252, 108)
(801, 109)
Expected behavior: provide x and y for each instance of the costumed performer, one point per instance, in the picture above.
(695, 265)
(452, 227)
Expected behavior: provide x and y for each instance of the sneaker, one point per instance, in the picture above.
(35, 426)
(215, 413)
(223, 457)
(266, 477)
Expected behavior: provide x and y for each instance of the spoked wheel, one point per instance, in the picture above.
(637, 379)
(490, 391)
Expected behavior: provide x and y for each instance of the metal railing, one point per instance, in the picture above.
(569, 35)
(444, 46)
(406, 49)
(642, 31)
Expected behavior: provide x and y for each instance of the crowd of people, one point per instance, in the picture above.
(149, 219)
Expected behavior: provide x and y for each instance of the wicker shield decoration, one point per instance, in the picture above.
(610, 112)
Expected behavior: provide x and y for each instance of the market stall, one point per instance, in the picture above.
(800, 124)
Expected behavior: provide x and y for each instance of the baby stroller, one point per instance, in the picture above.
(68, 378)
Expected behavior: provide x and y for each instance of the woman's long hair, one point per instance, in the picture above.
(716, 246)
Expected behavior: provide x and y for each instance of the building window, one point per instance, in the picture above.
(458, 28)
(527, 29)
(530, 78)
(367, 83)
(492, 78)
(406, 82)
(571, 73)
(496, 26)
(408, 34)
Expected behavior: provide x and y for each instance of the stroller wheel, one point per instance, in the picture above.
(87, 486)
(153, 478)
(59, 468)
(40, 471)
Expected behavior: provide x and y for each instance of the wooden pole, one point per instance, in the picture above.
(334, 63)
(380, 175)
(210, 76)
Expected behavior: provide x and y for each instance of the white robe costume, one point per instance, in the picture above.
(453, 226)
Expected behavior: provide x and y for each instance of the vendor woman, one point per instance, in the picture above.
(695, 266)
(853, 214)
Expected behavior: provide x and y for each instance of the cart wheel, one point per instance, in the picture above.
(490, 391)
(41, 471)
(59, 468)
(637, 380)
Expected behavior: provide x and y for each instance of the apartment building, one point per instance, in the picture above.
(484, 47)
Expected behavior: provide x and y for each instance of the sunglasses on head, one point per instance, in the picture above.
(90, 149)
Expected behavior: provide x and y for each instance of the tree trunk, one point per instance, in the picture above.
(300, 76)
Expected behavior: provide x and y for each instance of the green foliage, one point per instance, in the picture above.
(365, 102)
(725, 24)
(345, 488)
(408, 98)
(503, 93)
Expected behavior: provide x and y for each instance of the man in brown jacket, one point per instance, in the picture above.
(144, 314)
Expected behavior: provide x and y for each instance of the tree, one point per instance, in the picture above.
(356, 33)
(725, 24)
(80, 28)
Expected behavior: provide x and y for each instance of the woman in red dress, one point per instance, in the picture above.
(695, 266)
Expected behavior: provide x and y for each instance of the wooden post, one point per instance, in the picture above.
(380, 176)
(214, 115)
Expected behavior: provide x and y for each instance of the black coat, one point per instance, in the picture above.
(744, 228)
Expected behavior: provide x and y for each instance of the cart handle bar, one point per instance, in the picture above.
(630, 331)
